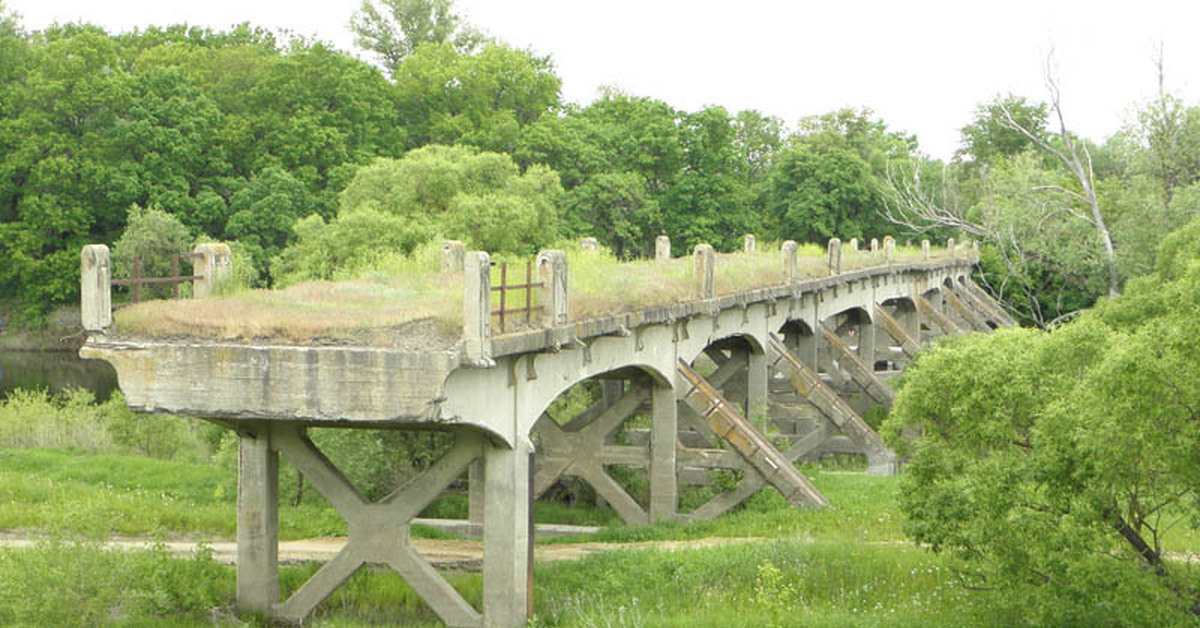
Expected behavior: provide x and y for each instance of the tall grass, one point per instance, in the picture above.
(380, 302)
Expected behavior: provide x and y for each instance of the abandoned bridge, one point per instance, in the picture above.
(750, 378)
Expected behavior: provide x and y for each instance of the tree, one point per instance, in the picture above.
(393, 29)
(1052, 465)
(485, 99)
(155, 236)
(988, 138)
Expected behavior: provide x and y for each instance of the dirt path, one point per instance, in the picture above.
(444, 553)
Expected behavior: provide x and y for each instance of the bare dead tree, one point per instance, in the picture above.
(1078, 160)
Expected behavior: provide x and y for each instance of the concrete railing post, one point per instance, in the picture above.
(662, 249)
(889, 249)
(552, 273)
(477, 307)
(213, 263)
(975, 250)
(703, 261)
(853, 245)
(453, 254)
(835, 256)
(749, 243)
(788, 251)
(589, 245)
(95, 287)
(925, 249)
(950, 247)
(874, 246)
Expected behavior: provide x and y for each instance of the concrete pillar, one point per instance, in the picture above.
(874, 246)
(453, 255)
(925, 249)
(806, 350)
(835, 256)
(757, 378)
(507, 537)
(475, 492)
(213, 263)
(662, 249)
(975, 251)
(703, 261)
(664, 430)
(257, 522)
(889, 249)
(866, 342)
(589, 245)
(950, 247)
(788, 251)
(95, 287)
(552, 273)
(749, 244)
(853, 245)
(477, 307)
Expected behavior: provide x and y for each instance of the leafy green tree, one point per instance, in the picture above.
(264, 211)
(484, 99)
(1055, 464)
(155, 236)
(393, 29)
(989, 138)
(814, 195)
(394, 205)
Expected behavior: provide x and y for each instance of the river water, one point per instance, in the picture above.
(55, 371)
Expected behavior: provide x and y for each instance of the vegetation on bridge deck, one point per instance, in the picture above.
(403, 296)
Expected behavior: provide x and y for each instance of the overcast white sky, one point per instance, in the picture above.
(921, 65)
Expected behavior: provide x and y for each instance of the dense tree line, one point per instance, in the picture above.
(266, 142)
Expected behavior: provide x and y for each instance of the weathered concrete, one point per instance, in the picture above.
(589, 244)
(477, 307)
(749, 243)
(258, 521)
(212, 264)
(453, 256)
(95, 288)
(552, 274)
(703, 262)
(835, 256)
(662, 248)
(492, 390)
(788, 253)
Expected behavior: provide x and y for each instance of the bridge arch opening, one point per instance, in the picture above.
(596, 441)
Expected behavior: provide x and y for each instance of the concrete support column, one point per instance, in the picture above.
(477, 307)
(757, 379)
(866, 343)
(703, 261)
(213, 263)
(662, 249)
(475, 492)
(508, 535)
(95, 287)
(257, 522)
(552, 274)
(806, 350)
(664, 430)
(453, 256)
(749, 243)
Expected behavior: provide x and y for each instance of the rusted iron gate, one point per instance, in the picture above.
(137, 280)
(504, 312)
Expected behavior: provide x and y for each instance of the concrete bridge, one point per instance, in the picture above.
(752, 381)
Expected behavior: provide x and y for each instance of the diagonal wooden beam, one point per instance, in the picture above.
(941, 320)
(860, 372)
(908, 344)
(971, 316)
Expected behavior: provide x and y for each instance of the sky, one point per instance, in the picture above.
(921, 66)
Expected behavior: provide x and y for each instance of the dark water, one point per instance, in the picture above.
(55, 371)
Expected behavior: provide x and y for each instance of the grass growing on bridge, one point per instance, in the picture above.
(405, 302)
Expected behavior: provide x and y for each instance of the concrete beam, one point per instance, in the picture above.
(257, 522)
